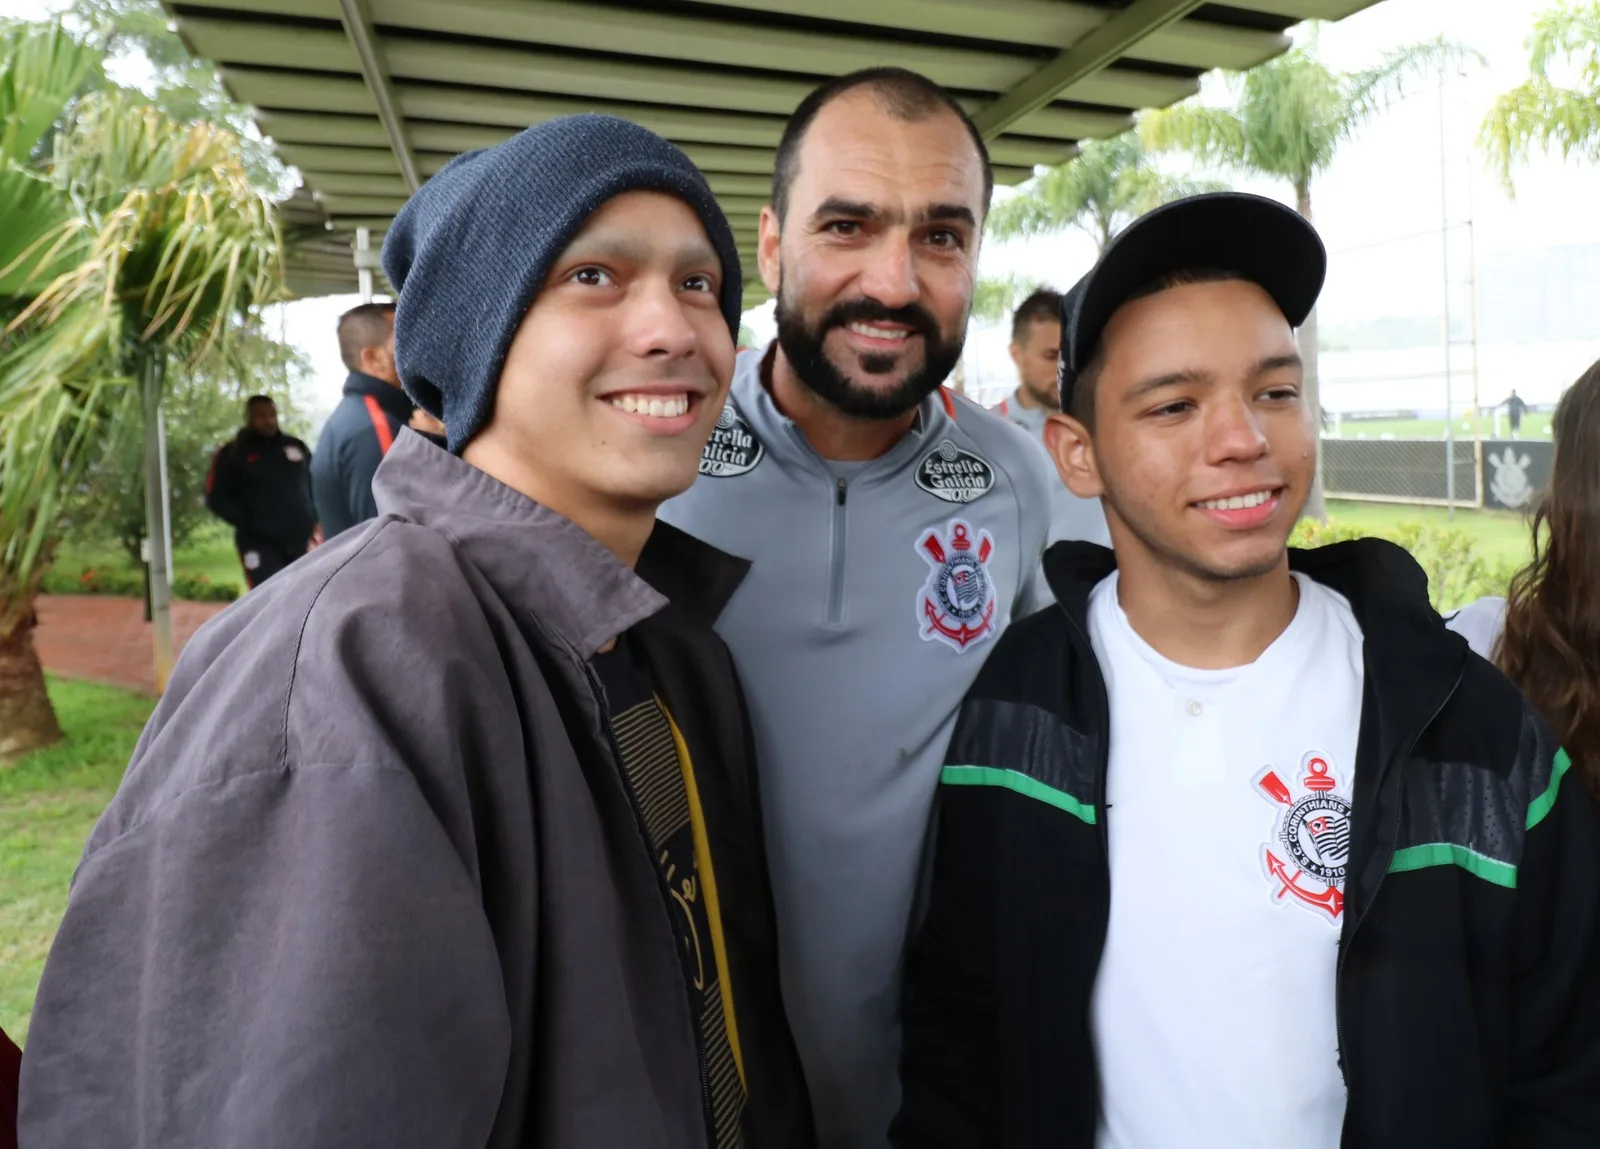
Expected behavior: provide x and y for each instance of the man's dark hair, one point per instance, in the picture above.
(905, 95)
(251, 403)
(1043, 306)
(1082, 406)
(365, 325)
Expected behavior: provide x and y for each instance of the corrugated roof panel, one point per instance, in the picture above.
(718, 78)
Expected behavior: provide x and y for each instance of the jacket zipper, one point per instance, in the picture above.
(1103, 765)
(1394, 844)
(835, 614)
(702, 1060)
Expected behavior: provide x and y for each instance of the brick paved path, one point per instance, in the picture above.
(105, 639)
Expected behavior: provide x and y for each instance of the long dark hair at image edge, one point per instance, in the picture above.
(1551, 644)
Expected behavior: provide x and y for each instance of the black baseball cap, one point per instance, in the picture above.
(1256, 238)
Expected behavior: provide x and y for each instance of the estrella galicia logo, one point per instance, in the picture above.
(733, 448)
(947, 472)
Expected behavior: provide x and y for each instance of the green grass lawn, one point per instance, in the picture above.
(208, 554)
(49, 802)
(1535, 425)
(1501, 537)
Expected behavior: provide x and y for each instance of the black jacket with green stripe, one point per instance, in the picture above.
(1468, 984)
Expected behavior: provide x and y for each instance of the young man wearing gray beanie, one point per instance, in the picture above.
(448, 838)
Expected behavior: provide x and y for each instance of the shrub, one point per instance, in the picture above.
(198, 588)
(130, 584)
(104, 580)
(1457, 573)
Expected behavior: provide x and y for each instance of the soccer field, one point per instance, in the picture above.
(1501, 537)
(1535, 425)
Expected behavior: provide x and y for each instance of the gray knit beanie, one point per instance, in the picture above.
(471, 249)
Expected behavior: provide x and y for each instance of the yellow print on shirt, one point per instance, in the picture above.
(686, 893)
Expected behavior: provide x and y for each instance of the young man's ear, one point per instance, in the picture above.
(1016, 355)
(1072, 448)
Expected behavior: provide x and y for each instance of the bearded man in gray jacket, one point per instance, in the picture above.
(894, 528)
(448, 838)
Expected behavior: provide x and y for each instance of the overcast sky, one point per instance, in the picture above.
(1386, 182)
(1385, 185)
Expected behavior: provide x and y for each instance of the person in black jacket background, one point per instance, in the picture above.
(364, 425)
(1237, 845)
(260, 484)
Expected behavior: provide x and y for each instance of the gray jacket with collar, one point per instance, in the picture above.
(874, 594)
(373, 877)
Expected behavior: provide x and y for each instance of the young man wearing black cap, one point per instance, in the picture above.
(1239, 846)
(448, 837)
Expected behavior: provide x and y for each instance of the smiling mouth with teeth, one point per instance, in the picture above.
(655, 406)
(872, 332)
(1237, 502)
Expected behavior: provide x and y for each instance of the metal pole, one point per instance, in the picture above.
(156, 521)
(1472, 287)
(364, 272)
(1444, 248)
(166, 488)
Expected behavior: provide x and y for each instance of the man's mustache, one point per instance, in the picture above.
(870, 310)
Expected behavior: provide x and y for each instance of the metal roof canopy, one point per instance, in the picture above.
(370, 97)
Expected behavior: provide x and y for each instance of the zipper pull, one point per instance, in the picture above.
(841, 488)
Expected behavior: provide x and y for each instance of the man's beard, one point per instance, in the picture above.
(1049, 398)
(803, 348)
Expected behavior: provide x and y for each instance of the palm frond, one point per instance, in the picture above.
(41, 68)
(994, 299)
(1541, 113)
(1374, 90)
(1215, 136)
(36, 241)
(1567, 33)
(156, 244)
(1111, 182)
(57, 397)
(187, 245)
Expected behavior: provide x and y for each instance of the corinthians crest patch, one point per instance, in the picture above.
(733, 448)
(956, 476)
(1310, 850)
(956, 606)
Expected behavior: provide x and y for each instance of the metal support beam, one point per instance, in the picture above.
(364, 263)
(1101, 47)
(358, 27)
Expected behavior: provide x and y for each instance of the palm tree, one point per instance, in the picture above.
(1109, 183)
(993, 300)
(1541, 113)
(40, 70)
(146, 245)
(1288, 119)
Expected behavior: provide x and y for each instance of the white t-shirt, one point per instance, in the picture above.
(1228, 813)
(1480, 623)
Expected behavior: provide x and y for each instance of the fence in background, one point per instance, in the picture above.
(1500, 474)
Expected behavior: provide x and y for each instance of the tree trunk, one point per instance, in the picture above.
(27, 720)
(1316, 506)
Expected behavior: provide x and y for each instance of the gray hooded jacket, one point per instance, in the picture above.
(373, 877)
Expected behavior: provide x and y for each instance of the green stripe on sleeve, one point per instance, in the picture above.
(1540, 806)
(1021, 784)
(1450, 854)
